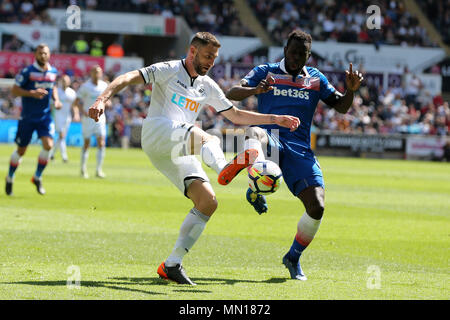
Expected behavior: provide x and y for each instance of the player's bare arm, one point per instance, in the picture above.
(76, 110)
(55, 96)
(119, 83)
(244, 117)
(77, 106)
(343, 102)
(38, 93)
(243, 90)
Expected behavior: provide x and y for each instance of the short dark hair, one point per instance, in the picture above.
(41, 46)
(299, 35)
(95, 67)
(203, 39)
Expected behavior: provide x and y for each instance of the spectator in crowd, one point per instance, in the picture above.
(115, 50)
(13, 45)
(80, 46)
(96, 47)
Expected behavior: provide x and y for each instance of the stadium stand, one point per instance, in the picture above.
(340, 21)
(438, 11)
(218, 17)
(395, 110)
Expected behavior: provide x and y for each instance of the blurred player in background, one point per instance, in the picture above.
(35, 85)
(63, 116)
(86, 95)
(289, 87)
(181, 89)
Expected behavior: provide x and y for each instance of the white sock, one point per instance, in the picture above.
(100, 157)
(255, 144)
(44, 155)
(54, 149)
(191, 229)
(212, 155)
(62, 145)
(307, 228)
(15, 159)
(84, 158)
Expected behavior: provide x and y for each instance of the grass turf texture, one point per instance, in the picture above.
(381, 215)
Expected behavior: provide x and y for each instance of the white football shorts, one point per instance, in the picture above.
(62, 123)
(89, 128)
(163, 140)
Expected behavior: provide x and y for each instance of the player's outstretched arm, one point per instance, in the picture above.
(242, 91)
(119, 83)
(39, 93)
(244, 117)
(343, 102)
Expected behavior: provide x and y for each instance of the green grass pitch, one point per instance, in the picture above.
(385, 234)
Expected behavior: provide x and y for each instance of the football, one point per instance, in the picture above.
(264, 177)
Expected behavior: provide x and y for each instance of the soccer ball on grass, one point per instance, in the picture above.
(264, 177)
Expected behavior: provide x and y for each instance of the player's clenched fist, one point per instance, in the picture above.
(290, 122)
(96, 110)
(265, 85)
(39, 93)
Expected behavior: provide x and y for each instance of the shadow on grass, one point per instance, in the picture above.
(120, 284)
(96, 284)
(206, 281)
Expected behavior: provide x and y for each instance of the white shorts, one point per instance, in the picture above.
(89, 128)
(163, 140)
(62, 123)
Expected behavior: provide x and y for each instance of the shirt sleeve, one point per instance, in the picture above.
(22, 78)
(254, 77)
(217, 98)
(157, 72)
(326, 88)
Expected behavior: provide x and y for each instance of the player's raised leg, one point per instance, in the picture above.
(16, 158)
(44, 156)
(254, 138)
(101, 149)
(212, 155)
(313, 199)
(85, 157)
(205, 203)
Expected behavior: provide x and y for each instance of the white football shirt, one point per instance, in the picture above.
(67, 97)
(88, 92)
(179, 97)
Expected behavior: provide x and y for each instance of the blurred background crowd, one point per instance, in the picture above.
(408, 108)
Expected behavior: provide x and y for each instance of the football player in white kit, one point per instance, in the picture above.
(87, 93)
(181, 89)
(63, 116)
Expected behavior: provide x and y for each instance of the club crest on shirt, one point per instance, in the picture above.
(307, 82)
(201, 90)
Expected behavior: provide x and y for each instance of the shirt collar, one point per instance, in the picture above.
(37, 66)
(283, 68)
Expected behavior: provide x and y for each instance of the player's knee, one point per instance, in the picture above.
(316, 209)
(208, 205)
(212, 138)
(252, 133)
(47, 146)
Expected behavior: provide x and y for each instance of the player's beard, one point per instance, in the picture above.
(293, 68)
(41, 63)
(200, 69)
